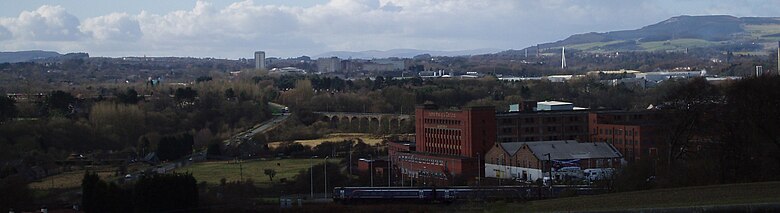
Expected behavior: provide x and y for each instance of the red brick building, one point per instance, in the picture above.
(633, 133)
(542, 126)
(448, 145)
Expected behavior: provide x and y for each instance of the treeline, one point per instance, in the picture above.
(401, 96)
(138, 121)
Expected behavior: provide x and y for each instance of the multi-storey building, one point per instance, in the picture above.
(633, 133)
(548, 122)
(448, 145)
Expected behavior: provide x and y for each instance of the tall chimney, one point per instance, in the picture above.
(563, 58)
(778, 58)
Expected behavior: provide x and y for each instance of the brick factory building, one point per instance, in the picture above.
(635, 134)
(447, 147)
(549, 121)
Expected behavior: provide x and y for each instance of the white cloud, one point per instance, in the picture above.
(47, 23)
(236, 30)
(114, 26)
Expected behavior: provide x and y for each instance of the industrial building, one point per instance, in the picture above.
(548, 121)
(561, 160)
(448, 147)
(633, 133)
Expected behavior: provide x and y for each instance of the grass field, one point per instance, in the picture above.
(766, 192)
(677, 44)
(763, 29)
(213, 171)
(592, 46)
(65, 180)
(336, 137)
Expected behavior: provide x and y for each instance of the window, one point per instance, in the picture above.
(506, 121)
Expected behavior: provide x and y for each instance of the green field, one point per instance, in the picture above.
(67, 180)
(677, 44)
(211, 172)
(766, 192)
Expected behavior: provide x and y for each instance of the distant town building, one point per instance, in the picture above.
(657, 77)
(259, 60)
(326, 65)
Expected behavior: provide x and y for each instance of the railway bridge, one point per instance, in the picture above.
(367, 122)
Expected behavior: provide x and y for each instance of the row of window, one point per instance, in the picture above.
(442, 121)
(530, 130)
(413, 159)
(621, 142)
(544, 138)
(455, 132)
(600, 131)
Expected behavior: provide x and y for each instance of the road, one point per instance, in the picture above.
(257, 129)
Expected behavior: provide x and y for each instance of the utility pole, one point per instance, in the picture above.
(389, 170)
(549, 163)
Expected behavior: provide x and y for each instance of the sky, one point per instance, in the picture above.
(286, 28)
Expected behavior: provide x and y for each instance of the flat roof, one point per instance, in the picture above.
(554, 103)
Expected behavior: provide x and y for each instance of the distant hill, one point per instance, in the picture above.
(401, 53)
(24, 56)
(678, 33)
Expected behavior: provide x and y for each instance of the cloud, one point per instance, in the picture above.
(240, 28)
(114, 26)
(47, 23)
(5, 33)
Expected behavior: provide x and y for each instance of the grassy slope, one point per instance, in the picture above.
(213, 171)
(336, 137)
(677, 44)
(766, 192)
(594, 46)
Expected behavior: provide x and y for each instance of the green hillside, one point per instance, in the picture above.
(722, 33)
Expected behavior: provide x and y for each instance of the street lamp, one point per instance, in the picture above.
(326, 176)
(479, 170)
(371, 169)
(311, 177)
(389, 170)
(499, 172)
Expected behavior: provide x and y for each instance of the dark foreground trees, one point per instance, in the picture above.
(158, 193)
(714, 134)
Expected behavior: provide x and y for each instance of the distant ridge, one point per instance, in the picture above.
(402, 53)
(25, 56)
(678, 33)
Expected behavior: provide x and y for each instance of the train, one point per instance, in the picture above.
(450, 194)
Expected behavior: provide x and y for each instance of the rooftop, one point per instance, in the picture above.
(564, 150)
